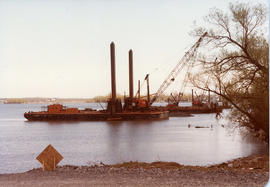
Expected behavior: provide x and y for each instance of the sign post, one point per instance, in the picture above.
(49, 158)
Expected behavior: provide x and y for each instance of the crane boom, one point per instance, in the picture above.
(189, 55)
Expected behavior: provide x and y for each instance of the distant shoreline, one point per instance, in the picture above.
(26, 101)
(43, 101)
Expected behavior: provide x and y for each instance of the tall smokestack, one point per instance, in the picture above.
(130, 59)
(113, 77)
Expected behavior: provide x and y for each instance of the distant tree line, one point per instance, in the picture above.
(162, 98)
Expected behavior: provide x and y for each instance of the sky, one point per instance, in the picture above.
(60, 48)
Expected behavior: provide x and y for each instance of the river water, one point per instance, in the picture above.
(87, 143)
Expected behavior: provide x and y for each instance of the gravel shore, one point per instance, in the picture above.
(249, 171)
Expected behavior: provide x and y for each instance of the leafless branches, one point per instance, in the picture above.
(235, 61)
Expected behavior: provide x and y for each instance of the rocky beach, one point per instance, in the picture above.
(248, 171)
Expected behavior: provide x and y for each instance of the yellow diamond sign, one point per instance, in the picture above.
(49, 158)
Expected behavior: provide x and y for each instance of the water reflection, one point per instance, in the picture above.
(127, 140)
(112, 134)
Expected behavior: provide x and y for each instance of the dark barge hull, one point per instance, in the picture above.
(196, 110)
(187, 111)
(96, 116)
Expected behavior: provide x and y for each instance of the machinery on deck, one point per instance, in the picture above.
(174, 99)
(143, 103)
(139, 103)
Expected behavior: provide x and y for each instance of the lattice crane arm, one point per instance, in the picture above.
(189, 55)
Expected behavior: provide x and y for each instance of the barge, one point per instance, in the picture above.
(194, 110)
(57, 112)
(187, 111)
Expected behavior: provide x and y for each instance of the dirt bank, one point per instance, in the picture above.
(249, 171)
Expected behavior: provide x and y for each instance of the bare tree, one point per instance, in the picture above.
(234, 62)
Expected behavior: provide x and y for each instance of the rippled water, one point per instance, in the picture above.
(85, 143)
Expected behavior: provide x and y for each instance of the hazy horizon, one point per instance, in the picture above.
(60, 49)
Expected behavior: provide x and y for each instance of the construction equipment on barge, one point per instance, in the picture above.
(197, 105)
(134, 109)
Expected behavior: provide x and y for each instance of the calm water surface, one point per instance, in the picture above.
(87, 143)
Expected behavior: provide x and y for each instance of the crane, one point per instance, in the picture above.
(189, 56)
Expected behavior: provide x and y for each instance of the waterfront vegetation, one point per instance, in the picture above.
(236, 65)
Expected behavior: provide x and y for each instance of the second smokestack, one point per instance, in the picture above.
(112, 50)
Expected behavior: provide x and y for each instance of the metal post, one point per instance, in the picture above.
(148, 91)
(112, 48)
(192, 98)
(139, 89)
(130, 55)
